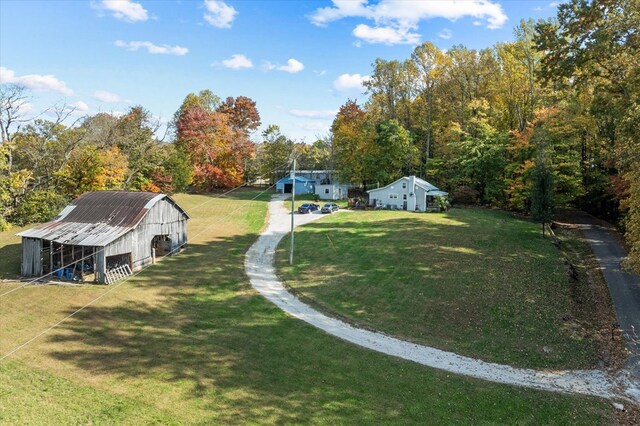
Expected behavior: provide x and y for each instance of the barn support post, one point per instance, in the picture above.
(62, 260)
(82, 264)
(101, 265)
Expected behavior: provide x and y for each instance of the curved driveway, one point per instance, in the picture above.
(259, 266)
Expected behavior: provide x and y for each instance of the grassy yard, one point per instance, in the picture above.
(473, 281)
(189, 342)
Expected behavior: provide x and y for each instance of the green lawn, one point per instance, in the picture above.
(189, 342)
(473, 281)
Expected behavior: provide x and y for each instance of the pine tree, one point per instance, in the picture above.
(542, 194)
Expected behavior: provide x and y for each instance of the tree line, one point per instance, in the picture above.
(551, 118)
(45, 163)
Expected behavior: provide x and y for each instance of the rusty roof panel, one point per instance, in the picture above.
(98, 218)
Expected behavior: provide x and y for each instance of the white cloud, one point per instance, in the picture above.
(219, 14)
(396, 21)
(6, 75)
(36, 82)
(80, 106)
(26, 108)
(385, 35)
(320, 73)
(445, 34)
(314, 113)
(154, 49)
(293, 66)
(108, 97)
(238, 62)
(350, 82)
(319, 126)
(125, 10)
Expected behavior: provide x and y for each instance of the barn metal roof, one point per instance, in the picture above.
(98, 218)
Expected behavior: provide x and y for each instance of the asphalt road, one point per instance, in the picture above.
(624, 286)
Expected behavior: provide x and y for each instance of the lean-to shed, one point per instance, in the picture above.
(103, 235)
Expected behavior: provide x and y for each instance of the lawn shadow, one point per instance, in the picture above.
(211, 334)
(191, 327)
(10, 258)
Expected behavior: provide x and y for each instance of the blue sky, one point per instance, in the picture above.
(299, 60)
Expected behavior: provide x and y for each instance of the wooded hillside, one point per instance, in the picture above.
(562, 98)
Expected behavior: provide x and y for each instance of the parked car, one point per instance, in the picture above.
(329, 208)
(308, 208)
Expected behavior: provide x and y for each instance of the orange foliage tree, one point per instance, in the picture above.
(217, 140)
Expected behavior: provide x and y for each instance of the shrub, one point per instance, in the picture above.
(442, 202)
(38, 206)
(465, 195)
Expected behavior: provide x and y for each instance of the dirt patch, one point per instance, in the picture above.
(630, 416)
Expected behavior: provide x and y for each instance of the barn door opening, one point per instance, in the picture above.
(160, 246)
(118, 260)
(287, 188)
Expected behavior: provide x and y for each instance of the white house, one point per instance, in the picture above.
(333, 191)
(407, 193)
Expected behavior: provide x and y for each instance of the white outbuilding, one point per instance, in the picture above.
(407, 193)
(333, 191)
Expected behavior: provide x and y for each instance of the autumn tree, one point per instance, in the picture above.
(597, 44)
(273, 154)
(391, 154)
(215, 138)
(429, 62)
(353, 137)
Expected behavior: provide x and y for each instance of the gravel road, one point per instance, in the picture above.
(259, 266)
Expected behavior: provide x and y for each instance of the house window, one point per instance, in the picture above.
(326, 190)
(404, 196)
(393, 196)
(404, 185)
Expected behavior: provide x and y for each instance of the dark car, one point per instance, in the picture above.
(329, 208)
(308, 208)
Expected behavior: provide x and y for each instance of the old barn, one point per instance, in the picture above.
(105, 235)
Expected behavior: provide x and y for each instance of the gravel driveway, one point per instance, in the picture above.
(259, 266)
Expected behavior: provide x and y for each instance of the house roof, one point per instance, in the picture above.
(297, 179)
(431, 189)
(98, 218)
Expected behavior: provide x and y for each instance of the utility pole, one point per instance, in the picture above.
(293, 200)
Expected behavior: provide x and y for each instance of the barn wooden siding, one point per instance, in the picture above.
(105, 223)
(162, 219)
(31, 257)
